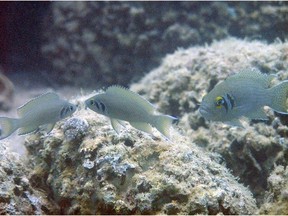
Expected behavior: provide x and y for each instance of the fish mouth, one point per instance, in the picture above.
(204, 111)
(86, 105)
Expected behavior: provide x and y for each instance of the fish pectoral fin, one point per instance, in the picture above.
(235, 123)
(142, 126)
(258, 114)
(48, 127)
(27, 129)
(121, 123)
(116, 124)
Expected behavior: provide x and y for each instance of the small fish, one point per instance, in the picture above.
(43, 111)
(119, 103)
(244, 95)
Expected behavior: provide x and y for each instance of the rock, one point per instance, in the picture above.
(127, 39)
(75, 129)
(17, 195)
(179, 83)
(101, 174)
(276, 199)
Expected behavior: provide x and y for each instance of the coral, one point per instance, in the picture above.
(17, 196)
(131, 173)
(104, 43)
(75, 129)
(179, 83)
(255, 21)
(276, 199)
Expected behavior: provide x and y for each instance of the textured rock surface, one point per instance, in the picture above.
(17, 196)
(178, 85)
(277, 197)
(116, 42)
(92, 170)
(6, 92)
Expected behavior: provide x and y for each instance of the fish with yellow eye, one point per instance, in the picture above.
(244, 95)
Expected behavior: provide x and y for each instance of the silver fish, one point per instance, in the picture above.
(244, 94)
(43, 111)
(119, 103)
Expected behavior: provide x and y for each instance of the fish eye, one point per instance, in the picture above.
(71, 108)
(95, 103)
(91, 102)
(219, 101)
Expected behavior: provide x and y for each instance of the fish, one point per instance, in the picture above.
(121, 104)
(41, 112)
(244, 95)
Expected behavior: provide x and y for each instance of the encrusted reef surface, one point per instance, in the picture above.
(178, 85)
(116, 42)
(88, 169)
(17, 195)
(277, 197)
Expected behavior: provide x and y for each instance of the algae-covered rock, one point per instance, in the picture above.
(92, 170)
(17, 196)
(179, 83)
(276, 199)
(117, 42)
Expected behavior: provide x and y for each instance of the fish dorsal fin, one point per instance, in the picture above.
(254, 74)
(42, 99)
(124, 92)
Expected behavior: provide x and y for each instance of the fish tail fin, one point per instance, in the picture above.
(8, 126)
(163, 124)
(279, 95)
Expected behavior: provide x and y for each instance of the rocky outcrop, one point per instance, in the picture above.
(178, 85)
(89, 169)
(17, 195)
(104, 43)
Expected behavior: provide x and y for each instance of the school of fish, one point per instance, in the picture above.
(241, 95)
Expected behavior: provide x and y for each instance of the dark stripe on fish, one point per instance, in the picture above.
(63, 112)
(228, 102)
(225, 104)
(97, 105)
(231, 100)
(103, 107)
